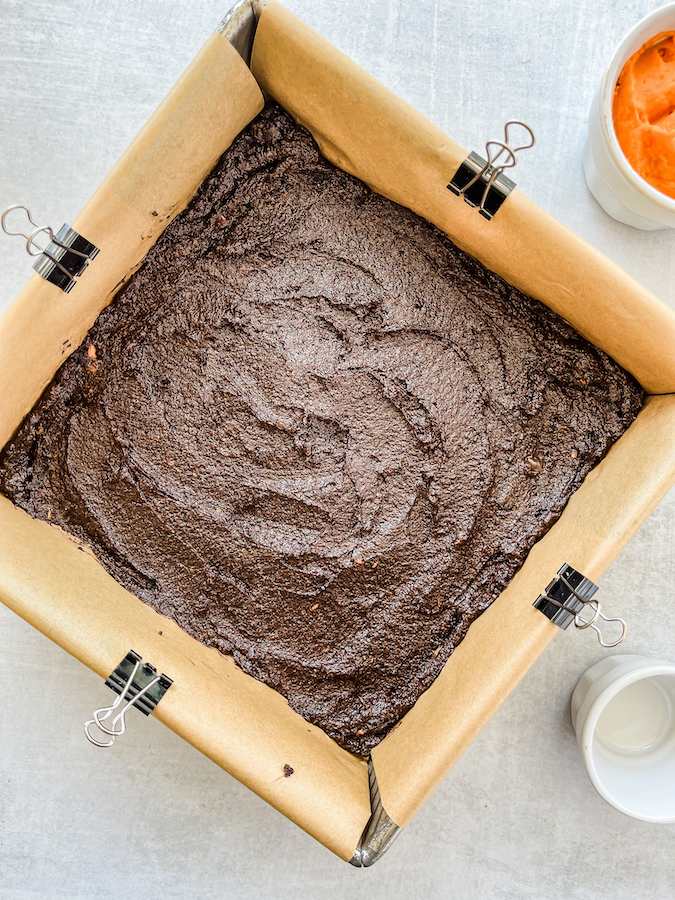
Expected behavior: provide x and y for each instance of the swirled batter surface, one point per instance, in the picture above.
(316, 434)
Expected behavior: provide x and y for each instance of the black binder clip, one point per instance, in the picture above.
(65, 257)
(570, 598)
(482, 182)
(136, 682)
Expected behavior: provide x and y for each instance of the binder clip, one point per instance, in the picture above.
(65, 257)
(482, 182)
(138, 682)
(570, 598)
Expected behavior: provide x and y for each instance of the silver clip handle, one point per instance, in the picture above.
(596, 614)
(118, 725)
(504, 147)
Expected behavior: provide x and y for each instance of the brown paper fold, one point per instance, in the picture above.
(244, 726)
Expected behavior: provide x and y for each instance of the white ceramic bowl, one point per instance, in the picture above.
(623, 712)
(613, 182)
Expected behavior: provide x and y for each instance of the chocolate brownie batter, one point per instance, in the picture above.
(316, 434)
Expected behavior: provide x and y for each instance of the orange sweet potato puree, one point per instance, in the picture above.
(644, 112)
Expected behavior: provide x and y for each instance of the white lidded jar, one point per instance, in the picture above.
(617, 187)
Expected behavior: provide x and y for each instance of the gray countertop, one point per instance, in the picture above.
(517, 817)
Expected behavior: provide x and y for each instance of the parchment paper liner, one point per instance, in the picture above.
(245, 727)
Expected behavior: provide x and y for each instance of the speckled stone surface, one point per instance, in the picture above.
(517, 817)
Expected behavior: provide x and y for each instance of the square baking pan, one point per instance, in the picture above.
(353, 806)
